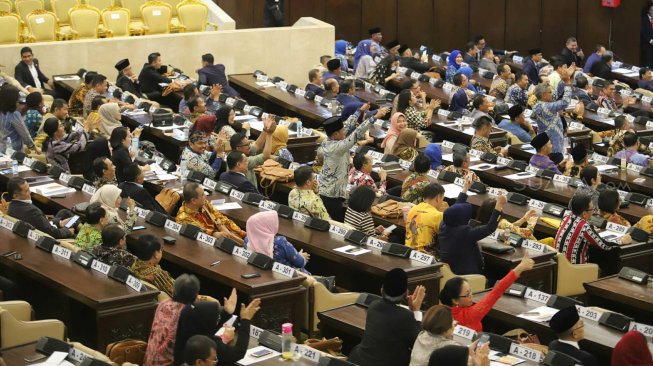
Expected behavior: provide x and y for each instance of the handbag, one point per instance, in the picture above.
(332, 346)
(171, 88)
(389, 209)
(527, 340)
(128, 350)
(168, 199)
(272, 172)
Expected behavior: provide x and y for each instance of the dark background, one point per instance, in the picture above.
(449, 24)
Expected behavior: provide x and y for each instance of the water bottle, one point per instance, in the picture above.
(183, 168)
(14, 167)
(286, 341)
(300, 128)
(623, 162)
(506, 235)
(134, 145)
(9, 148)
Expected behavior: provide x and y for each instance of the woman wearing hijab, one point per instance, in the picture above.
(109, 118)
(385, 71)
(407, 104)
(404, 148)
(280, 143)
(397, 124)
(109, 196)
(362, 49)
(226, 122)
(434, 152)
(262, 238)
(459, 241)
(454, 62)
(632, 350)
(58, 146)
(366, 63)
(341, 54)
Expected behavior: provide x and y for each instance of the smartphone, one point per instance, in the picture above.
(35, 357)
(250, 275)
(352, 250)
(261, 353)
(138, 227)
(390, 228)
(485, 338)
(72, 221)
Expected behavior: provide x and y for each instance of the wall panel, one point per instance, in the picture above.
(593, 25)
(451, 24)
(488, 18)
(378, 13)
(345, 15)
(558, 24)
(523, 32)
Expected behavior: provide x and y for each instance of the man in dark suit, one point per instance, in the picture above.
(133, 187)
(237, 165)
(22, 208)
(390, 330)
(127, 80)
(29, 75)
(603, 68)
(570, 329)
(153, 74)
(571, 54)
(469, 57)
(211, 74)
(315, 82)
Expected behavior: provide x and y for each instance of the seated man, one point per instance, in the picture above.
(152, 75)
(332, 88)
(304, 197)
(460, 166)
(487, 60)
(235, 175)
(260, 152)
(334, 72)
(99, 86)
(198, 211)
(578, 162)
(645, 79)
(210, 102)
(609, 202)
(505, 77)
(411, 189)
(347, 89)
(518, 125)
(76, 101)
(211, 74)
(315, 82)
(105, 172)
(198, 349)
(360, 174)
(113, 248)
(390, 330)
(459, 99)
(482, 107)
(630, 153)
(127, 80)
(423, 220)
(132, 187)
(571, 330)
(22, 208)
(541, 160)
(29, 75)
(481, 139)
(607, 98)
(516, 93)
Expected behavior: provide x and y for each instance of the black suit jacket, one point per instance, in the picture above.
(415, 64)
(583, 356)
(390, 332)
(239, 181)
(570, 57)
(602, 70)
(24, 77)
(150, 79)
(470, 60)
(120, 159)
(140, 195)
(128, 85)
(646, 33)
(29, 213)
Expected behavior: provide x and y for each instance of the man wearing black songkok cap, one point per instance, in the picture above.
(334, 71)
(390, 330)
(518, 125)
(579, 155)
(127, 80)
(570, 329)
(333, 178)
(541, 160)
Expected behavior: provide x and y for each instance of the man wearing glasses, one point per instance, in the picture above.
(240, 142)
(570, 329)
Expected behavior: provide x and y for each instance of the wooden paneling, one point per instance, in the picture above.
(523, 32)
(345, 15)
(451, 24)
(625, 30)
(593, 25)
(242, 11)
(558, 24)
(377, 13)
(302, 8)
(412, 31)
(488, 18)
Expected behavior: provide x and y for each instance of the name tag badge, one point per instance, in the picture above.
(576, 126)
(495, 191)
(64, 177)
(172, 225)
(536, 204)
(134, 283)
(526, 353)
(447, 144)
(649, 124)
(459, 182)
(534, 246)
(464, 332)
(646, 99)
(300, 92)
(209, 183)
(503, 161)
(620, 229)
(33, 235)
(649, 203)
(599, 158)
(62, 252)
(205, 239)
(538, 296)
(444, 113)
(589, 313)
(603, 111)
(310, 354)
(318, 99)
(340, 231)
(422, 257)
(415, 75)
(561, 178)
(531, 169)
(475, 153)
(261, 77)
(7, 224)
(241, 253)
(404, 164)
(255, 332)
(27, 161)
(115, 16)
(78, 355)
(88, 189)
(236, 194)
(100, 267)
(283, 270)
(432, 81)
(433, 174)
(634, 167)
(518, 60)
(142, 213)
(283, 85)
(645, 329)
(375, 243)
(298, 216)
(437, 58)
(267, 205)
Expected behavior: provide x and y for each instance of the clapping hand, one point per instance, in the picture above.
(415, 299)
(230, 303)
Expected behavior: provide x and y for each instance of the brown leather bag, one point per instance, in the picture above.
(331, 346)
(171, 88)
(389, 209)
(128, 350)
(168, 199)
(271, 172)
(527, 340)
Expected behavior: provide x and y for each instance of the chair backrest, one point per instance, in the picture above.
(11, 27)
(13, 331)
(24, 7)
(134, 7)
(192, 15)
(61, 9)
(116, 20)
(6, 6)
(85, 20)
(42, 25)
(173, 4)
(100, 4)
(156, 16)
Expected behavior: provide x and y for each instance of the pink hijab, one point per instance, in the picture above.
(261, 229)
(394, 127)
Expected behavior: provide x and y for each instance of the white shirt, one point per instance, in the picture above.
(572, 343)
(35, 75)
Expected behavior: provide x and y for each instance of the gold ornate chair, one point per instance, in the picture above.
(6, 6)
(134, 7)
(85, 21)
(24, 7)
(193, 16)
(100, 4)
(156, 17)
(12, 28)
(117, 21)
(61, 9)
(43, 27)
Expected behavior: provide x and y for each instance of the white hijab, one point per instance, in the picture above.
(107, 195)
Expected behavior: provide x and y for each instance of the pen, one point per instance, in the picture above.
(214, 263)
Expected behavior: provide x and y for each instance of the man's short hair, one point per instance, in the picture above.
(359, 161)
(486, 50)
(111, 235)
(598, 47)
(88, 77)
(198, 347)
(152, 57)
(458, 80)
(236, 140)
(469, 46)
(459, 158)
(478, 101)
(330, 83)
(580, 203)
(481, 122)
(609, 201)
(131, 172)
(94, 213)
(540, 89)
(190, 91)
(422, 163)
(190, 191)
(432, 190)
(642, 71)
(571, 39)
(233, 158)
(478, 38)
(630, 139)
(557, 62)
(145, 246)
(619, 121)
(346, 85)
(607, 56)
(313, 74)
(581, 82)
(208, 58)
(98, 79)
(302, 175)
(97, 101)
(588, 173)
(99, 166)
(13, 186)
(193, 103)
(58, 104)
(185, 289)
(25, 50)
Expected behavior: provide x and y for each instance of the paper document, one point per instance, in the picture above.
(521, 175)
(352, 250)
(51, 189)
(452, 191)
(540, 315)
(265, 84)
(228, 206)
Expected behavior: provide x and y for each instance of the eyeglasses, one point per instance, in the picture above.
(469, 294)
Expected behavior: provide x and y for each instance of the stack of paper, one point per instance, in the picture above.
(540, 315)
(51, 189)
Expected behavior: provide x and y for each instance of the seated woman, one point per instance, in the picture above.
(609, 202)
(358, 213)
(113, 248)
(148, 251)
(385, 71)
(226, 122)
(109, 118)
(90, 233)
(199, 159)
(109, 197)
(365, 64)
(407, 104)
(404, 147)
(262, 229)
(34, 115)
(457, 294)
(121, 155)
(280, 143)
(461, 162)
(454, 62)
(397, 124)
(58, 146)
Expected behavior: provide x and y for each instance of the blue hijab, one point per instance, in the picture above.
(467, 71)
(434, 152)
(457, 215)
(452, 59)
(362, 49)
(341, 47)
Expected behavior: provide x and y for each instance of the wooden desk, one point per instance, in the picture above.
(96, 309)
(622, 296)
(599, 340)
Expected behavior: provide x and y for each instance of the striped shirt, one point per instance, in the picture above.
(361, 221)
(574, 238)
